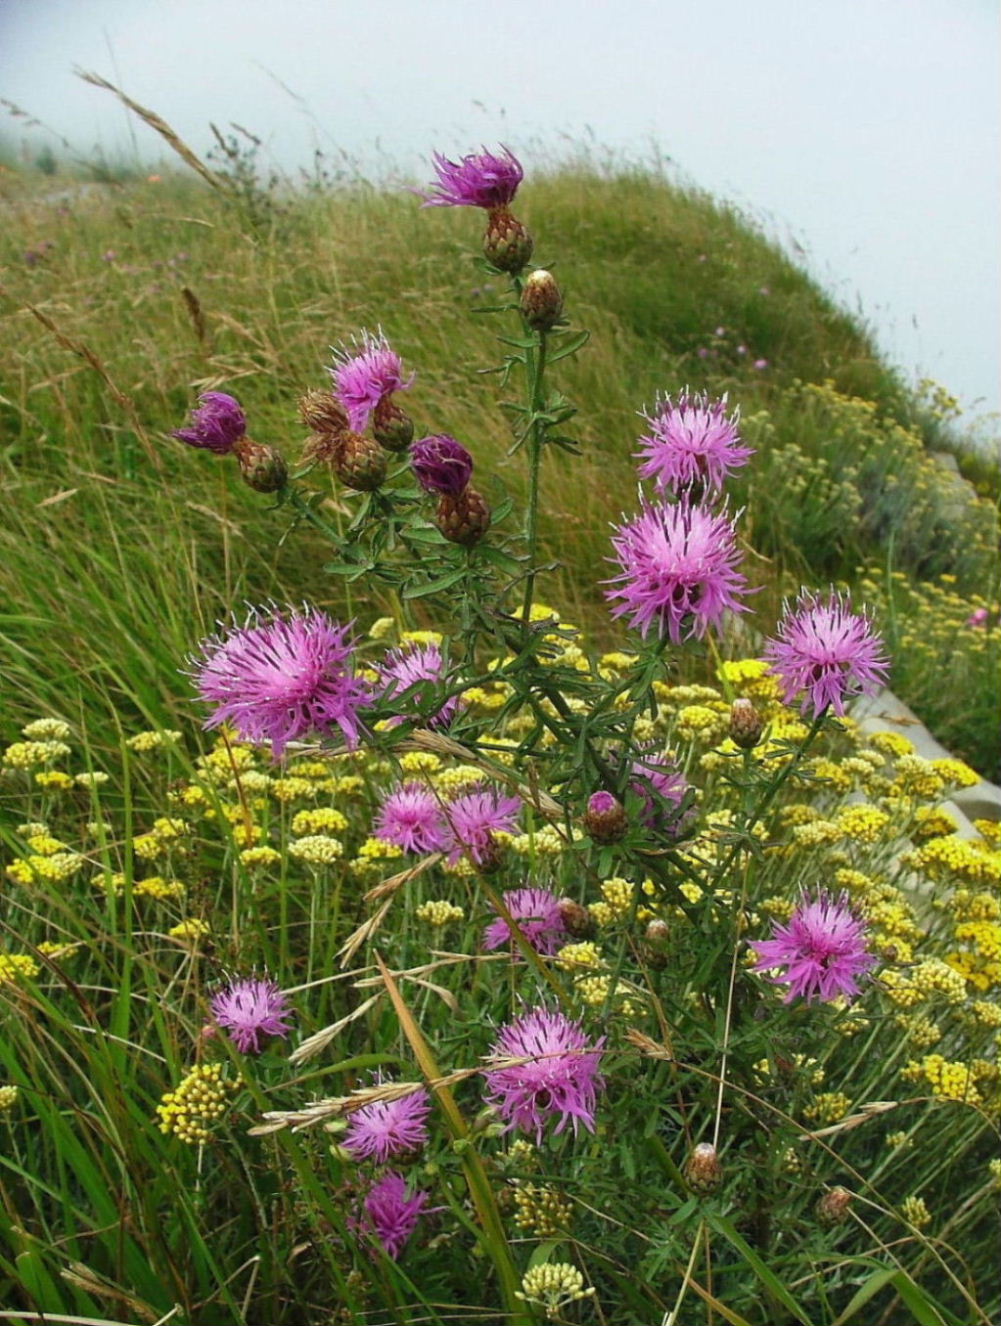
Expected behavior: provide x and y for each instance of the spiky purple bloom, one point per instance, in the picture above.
(539, 917)
(693, 440)
(217, 424)
(250, 1009)
(560, 1081)
(481, 179)
(473, 819)
(280, 678)
(365, 375)
(662, 788)
(441, 464)
(823, 949)
(411, 817)
(828, 651)
(678, 570)
(410, 666)
(390, 1215)
(388, 1128)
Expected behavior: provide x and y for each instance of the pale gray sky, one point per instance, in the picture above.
(867, 130)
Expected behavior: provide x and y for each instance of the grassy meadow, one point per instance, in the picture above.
(152, 1170)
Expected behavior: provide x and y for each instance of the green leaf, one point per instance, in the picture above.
(767, 1277)
(512, 565)
(925, 1311)
(569, 347)
(434, 586)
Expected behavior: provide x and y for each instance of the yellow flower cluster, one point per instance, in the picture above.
(8, 1096)
(541, 1211)
(48, 869)
(575, 957)
(158, 888)
(317, 849)
(143, 742)
(616, 902)
(17, 967)
(323, 820)
(946, 860)
(438, 912)
(915, 1212)
(261, 857)
(828, 1107)
(33, 754)
(200, 1099)
(862, 823)
(948, 1080)
(190, 931)
(553, 1285)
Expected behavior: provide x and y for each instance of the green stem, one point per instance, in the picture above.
(535, 369)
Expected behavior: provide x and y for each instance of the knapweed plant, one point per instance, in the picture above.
(473, 975)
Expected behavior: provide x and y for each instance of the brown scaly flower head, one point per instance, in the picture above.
(358, 462)
(464, 518)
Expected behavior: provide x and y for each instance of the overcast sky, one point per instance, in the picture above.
(867, 131)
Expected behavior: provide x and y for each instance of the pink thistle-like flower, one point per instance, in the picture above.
(662, 788)
(365, 375)
(473, 819)
(478, 180)
(823, 949)
(217, 424)
(441, 464)
(693, 441)
(411, 817)
(250, 1009)
(390, 1215)
(561, 1079)
(539, 917)
(386, 1128)
(828, 651)
(978, 617)
(678, 570)
(408, 667)
(279, 679)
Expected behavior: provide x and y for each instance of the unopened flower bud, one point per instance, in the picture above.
(832, 1208)
(507, 244)
(541, 301)
(703, 1172)
(746, 724)
(441, 464)
(605, 818)
(322, 412)
(464, 518)
(358, 462)
(576, 918)
(658, 932)
(392, 427)
(262, 467)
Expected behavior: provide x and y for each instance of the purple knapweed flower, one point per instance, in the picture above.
(390, 1215)
(662, 788)
(281, 678)
(478, 180)
(678, 570)
(441, 464)
(828, 651)
(386, 1128)
(408, 667)
(411, 817)
(823, 949)
(474, 818)
(365, 375)
(217, 424)
(978, 617)
(561, 1079)
(539, 917)
(693, 440)
(250, 1009)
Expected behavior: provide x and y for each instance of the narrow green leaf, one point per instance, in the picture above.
(569, 347)
(767, 1277)
(434, 586)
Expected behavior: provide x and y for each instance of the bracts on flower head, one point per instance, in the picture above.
(220, 425)
(465, 518)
